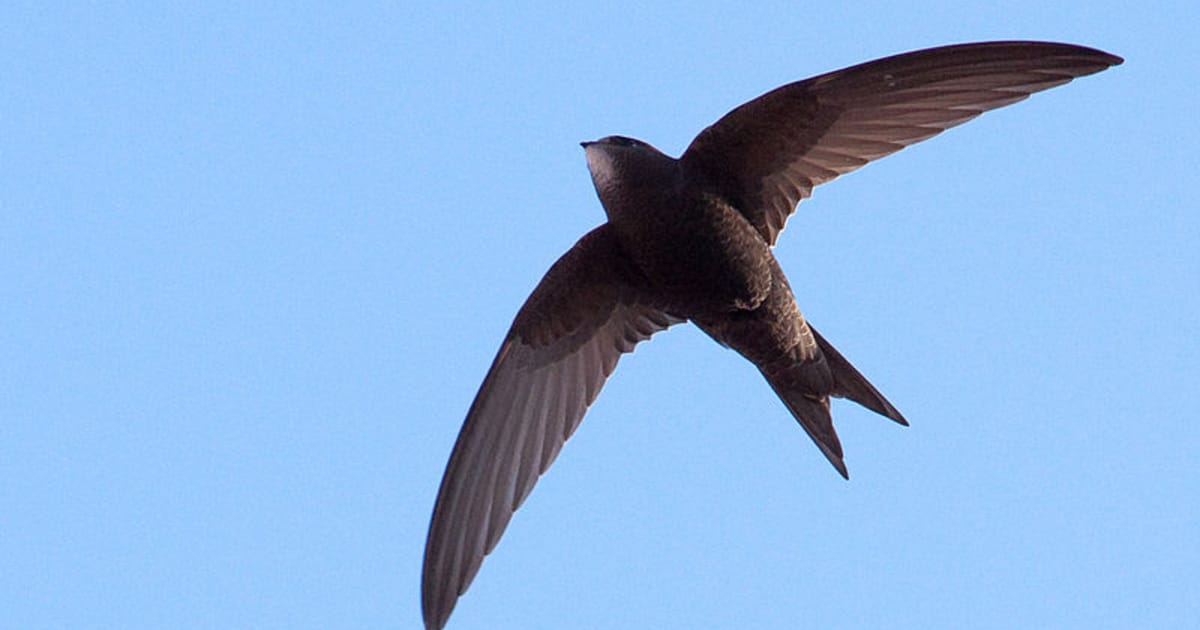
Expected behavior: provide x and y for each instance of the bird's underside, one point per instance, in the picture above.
(690, 239)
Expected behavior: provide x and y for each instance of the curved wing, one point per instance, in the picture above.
(562, 346)
(768, 154)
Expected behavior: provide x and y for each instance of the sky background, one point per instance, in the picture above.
(255, 261)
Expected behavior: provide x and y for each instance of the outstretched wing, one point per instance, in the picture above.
(562, 346)
(768, 154)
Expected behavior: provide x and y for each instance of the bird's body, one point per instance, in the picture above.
(703, 261)
(694, 247)
(690, 239)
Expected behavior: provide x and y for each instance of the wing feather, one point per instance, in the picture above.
(768, 154)
(564, 343)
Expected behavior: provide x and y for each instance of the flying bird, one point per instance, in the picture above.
(689, 239)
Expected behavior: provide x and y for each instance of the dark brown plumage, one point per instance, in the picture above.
(690, 239)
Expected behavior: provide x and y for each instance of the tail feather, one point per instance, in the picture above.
(805, 388)
(811, 412)
(850, 383)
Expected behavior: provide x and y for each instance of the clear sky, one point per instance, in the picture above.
(255, 261)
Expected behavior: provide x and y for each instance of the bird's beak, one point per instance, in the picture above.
(586, 144)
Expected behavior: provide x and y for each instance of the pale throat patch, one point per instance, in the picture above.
(604, 171)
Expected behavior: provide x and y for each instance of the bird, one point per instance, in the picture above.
(690, 239)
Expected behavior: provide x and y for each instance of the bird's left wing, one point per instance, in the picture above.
(563, 344)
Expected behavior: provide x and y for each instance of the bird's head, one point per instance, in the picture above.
(618, 161)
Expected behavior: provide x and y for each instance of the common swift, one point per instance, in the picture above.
(690, 239)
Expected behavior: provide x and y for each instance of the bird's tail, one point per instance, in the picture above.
(850, 383)
(811, 410)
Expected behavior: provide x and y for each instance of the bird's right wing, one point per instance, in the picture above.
(768, 154)
(564, 343)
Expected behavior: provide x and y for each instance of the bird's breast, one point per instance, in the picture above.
(697, 249)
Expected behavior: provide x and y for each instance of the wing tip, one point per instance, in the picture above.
(1111, 59)
(433, 613)
(433, 624)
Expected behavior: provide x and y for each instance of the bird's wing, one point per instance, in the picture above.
(563, 344)
(768, 154)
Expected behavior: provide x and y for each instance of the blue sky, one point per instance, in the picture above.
(255, 261)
